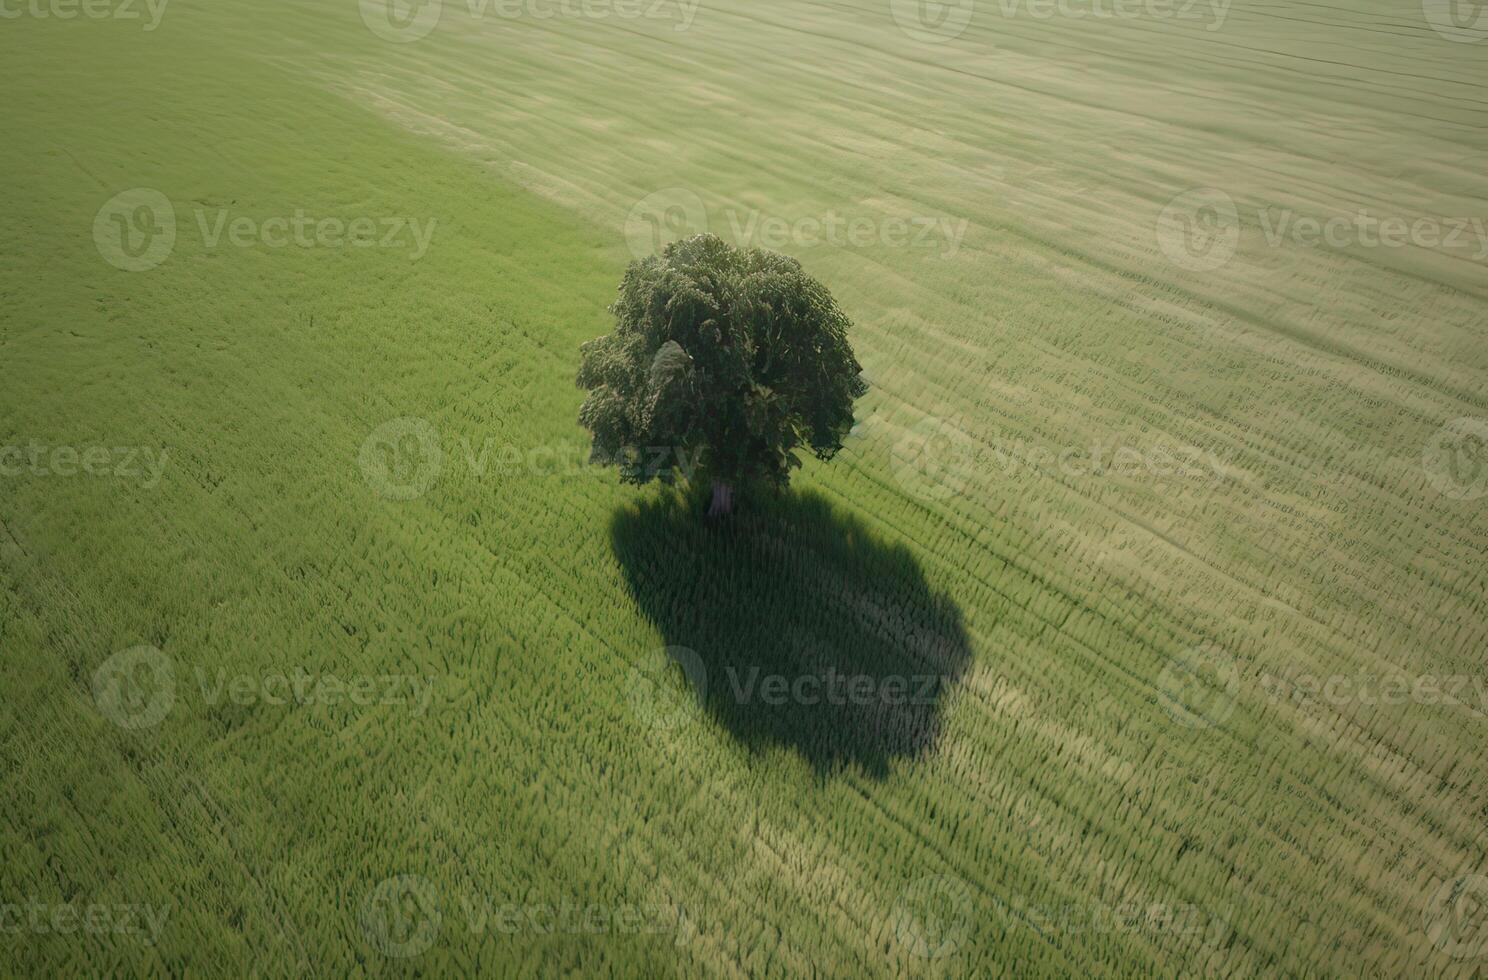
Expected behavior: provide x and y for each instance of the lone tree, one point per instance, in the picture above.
(723, 362)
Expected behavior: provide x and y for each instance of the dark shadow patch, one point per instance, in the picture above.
(810, 631)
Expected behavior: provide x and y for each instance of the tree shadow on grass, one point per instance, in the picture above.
(799, 626)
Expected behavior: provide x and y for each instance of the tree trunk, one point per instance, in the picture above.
(722, 504)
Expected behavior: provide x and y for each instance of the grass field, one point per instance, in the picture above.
(324, 653)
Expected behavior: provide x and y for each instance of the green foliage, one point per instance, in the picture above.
(723, 362)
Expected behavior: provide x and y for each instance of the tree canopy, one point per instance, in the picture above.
(723, 363)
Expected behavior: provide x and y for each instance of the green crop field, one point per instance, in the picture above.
(1139, 628)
